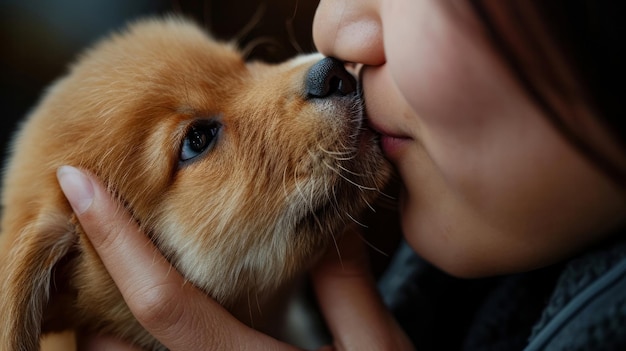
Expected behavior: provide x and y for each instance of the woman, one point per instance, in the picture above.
(502, 119)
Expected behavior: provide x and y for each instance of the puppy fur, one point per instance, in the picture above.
(284, 175)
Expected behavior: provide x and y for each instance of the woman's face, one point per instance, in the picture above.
(489, 185)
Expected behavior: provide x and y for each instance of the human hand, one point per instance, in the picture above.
(350, 302)
(182, 317)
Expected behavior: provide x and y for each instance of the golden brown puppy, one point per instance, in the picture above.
(242, 174)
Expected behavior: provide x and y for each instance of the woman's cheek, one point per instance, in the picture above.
(405, 53)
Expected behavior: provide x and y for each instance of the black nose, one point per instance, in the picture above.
(329, 77)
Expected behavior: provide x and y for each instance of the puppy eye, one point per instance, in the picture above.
(199, 138)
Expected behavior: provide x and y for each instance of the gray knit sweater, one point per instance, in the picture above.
(575, 305)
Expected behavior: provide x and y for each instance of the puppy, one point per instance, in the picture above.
(242, 174)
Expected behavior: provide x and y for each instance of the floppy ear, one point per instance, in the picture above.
(28, 277)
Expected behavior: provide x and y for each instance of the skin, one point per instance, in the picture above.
(490, 187)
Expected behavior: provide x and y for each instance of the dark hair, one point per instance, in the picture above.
(569, 56)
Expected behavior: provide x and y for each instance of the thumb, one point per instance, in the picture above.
(176, 313)
(350, 303)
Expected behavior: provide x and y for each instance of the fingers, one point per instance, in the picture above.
(176, 313)
(350, 303)
(183, 318)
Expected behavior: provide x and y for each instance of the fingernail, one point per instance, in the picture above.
(77, 187)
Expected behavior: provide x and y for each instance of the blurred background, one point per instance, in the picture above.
(39, 38)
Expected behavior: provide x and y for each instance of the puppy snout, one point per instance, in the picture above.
(328, 78)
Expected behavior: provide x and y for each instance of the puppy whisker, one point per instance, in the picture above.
(247, 50)
(258, 304)
(332, 235)
(250, 314)
(347, 155)
(308, 202)
(291, 32)
(332, 200)
(368, 204)
(252, 23)
(362, 187)
(339, 153)
(351, 172)
(372, 246)
(355, 221)
(389, 197)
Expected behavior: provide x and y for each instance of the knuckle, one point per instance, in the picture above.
(108, 234)
(157, 307)
(109, 238)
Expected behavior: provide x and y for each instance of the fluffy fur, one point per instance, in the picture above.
(285, 174)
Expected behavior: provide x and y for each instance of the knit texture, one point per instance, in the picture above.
(602, 327)
(440, 312)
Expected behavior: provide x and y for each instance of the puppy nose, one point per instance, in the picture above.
(329, 77)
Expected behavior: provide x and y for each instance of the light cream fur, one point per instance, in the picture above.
(284, 177)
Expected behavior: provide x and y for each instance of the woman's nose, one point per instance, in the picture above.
(350, 30)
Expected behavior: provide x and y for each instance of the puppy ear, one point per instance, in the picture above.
(27, 277)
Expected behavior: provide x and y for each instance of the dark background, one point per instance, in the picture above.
(39, 38)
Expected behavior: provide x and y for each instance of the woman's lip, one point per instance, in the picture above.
(390, 143)
(392, 146)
